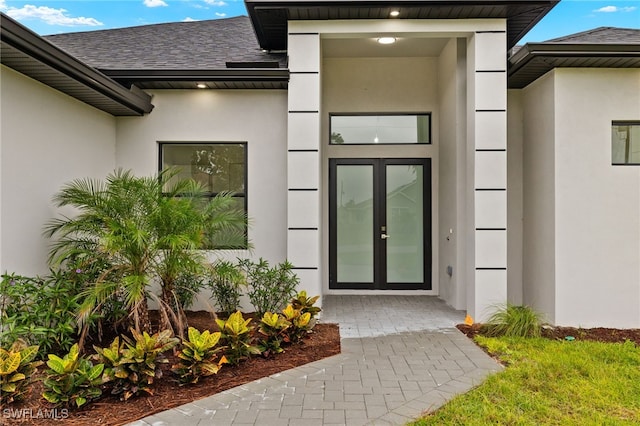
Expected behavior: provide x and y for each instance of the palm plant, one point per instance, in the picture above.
(187, 220)
(142, 228)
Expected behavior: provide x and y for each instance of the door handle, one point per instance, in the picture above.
(384, 236)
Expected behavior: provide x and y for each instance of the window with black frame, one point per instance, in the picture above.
(625, 142)
(218, 167)
(393, 128)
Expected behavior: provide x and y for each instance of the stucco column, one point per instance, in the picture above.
(488, 138)
(303, 159)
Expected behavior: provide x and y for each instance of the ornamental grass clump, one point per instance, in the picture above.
(514, 321)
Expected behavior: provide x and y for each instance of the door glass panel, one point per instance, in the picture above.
(354, 193)
(405, 227)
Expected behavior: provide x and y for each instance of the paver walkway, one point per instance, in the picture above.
(401, 356)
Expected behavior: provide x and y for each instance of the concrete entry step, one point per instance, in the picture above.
(379, 315)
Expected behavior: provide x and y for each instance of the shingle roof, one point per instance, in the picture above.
(602, 35)
(180, 45)
(270, 17)
(28, 53)
(604, 47)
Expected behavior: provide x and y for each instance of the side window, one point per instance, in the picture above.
(218, 166)
(625, 142)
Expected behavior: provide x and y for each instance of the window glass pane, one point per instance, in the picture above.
(355, 223)
(380, 129)
(405, 227)
(219, 167)
(625, 143)
(229, 238)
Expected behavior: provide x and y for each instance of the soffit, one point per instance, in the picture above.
(369, 48)
(270, 17)
(29, 54)
(534, 60)
(232, 78)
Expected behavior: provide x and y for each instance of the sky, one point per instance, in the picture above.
(53, 16)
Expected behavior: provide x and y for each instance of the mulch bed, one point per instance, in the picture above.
(324, 341)
(606, 335)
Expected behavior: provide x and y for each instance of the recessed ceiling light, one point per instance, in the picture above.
(387, 40)
(201, 86)
(394, 13)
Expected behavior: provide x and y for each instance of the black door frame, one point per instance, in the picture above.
(379, 219)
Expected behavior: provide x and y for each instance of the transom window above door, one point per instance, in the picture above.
(364, 129)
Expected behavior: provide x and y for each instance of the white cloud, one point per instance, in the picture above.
(221, 15)
(50, 16)
(189, 19)
(154, 3)
(3, 5)
(612, 9)
(215, 2)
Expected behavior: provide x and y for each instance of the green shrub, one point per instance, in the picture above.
(17, 367)
(513, 321)
(270, 288)
(300, 324)
(273, 327)
(40, 310)
(198, 356)
(133, 365)
(72, 379)
(187, 287)
(236, 336)
(225, 282)
(305, 304)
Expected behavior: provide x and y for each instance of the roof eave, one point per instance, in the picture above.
(42, 52)
(281, 11)
(530, 51)
(231, 74)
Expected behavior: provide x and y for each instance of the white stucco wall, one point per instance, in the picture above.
(539, 224)
(597, 204)
(515, 148)
(48, 139)
(381, 85)
(452, 203)
(257, 117)
(581, 240)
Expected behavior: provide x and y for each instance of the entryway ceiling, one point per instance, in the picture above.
(367, 47)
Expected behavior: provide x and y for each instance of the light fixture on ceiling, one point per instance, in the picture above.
(394, 13)
(386, 40)
(201, 86)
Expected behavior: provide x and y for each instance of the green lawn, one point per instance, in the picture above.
(551, 382)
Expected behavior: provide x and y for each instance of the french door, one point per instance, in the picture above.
(380, 224)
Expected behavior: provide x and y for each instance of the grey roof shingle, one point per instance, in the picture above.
(604, 47)
(194, 45)
(602, 35)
